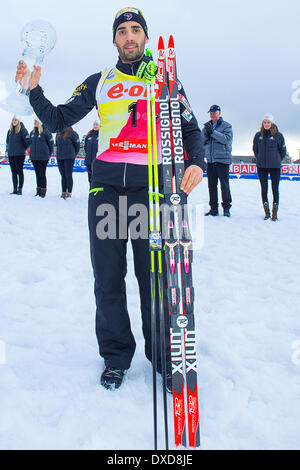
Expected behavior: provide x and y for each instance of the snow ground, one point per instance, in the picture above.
(247, 318)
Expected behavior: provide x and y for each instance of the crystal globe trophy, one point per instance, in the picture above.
(38, 38)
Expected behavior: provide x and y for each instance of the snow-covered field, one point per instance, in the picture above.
(247, 316)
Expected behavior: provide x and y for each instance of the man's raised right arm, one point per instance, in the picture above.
(58, 118)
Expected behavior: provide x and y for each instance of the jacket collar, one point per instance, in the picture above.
(220, 121)
(129, 69)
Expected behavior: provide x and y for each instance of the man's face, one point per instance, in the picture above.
(215, 116)
(130, 41)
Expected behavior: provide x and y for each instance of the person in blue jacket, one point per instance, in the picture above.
(68, 146)
(91, 148)
(17, 142)
(41, 148)
(269, 151)
(218, 137)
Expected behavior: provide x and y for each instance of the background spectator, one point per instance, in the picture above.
(91, 148)
(218, 147)
(41, 148)
(68, 146)
(17, 142)
(269, 150)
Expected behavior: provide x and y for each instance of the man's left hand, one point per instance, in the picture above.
(147, 70)
(192, 177)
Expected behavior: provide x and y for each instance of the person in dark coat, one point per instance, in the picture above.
(269, 151)
(91, 148)
(41, 148)
(218, 137)
(68, 146)
(17, 142)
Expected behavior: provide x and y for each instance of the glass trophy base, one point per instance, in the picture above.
(18, 104)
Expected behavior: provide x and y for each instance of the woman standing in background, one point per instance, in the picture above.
(269, 151)
(41, 148)
(91, 148)
(17, 142)
(68, 146)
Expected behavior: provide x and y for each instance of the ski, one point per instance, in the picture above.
(171, 246)
(155, 248)
(179, 255)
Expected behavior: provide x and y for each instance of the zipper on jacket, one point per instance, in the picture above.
(124, 175)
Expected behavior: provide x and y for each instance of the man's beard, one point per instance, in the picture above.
(131, 56)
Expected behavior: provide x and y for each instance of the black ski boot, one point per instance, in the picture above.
(226, 213)
(213, 212)
(112, 378)
(267, 211)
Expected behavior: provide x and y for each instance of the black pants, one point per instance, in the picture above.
(263, 174)
(116, 342)
(16, 165)
(215, 172)
(66, 170)
(40, 167)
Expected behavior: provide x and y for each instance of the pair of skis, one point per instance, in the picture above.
(177, 247)
(156, 266)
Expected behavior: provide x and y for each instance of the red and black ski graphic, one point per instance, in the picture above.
(179, 255)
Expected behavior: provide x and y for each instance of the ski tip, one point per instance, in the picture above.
(171, 41)
(161, 43)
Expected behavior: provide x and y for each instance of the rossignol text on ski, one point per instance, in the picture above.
(179, 255)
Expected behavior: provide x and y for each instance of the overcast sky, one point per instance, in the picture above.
(243, 56)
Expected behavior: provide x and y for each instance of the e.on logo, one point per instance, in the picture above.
(118, 91)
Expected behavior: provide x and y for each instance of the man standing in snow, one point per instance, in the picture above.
(119, 170)
(218, 146)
